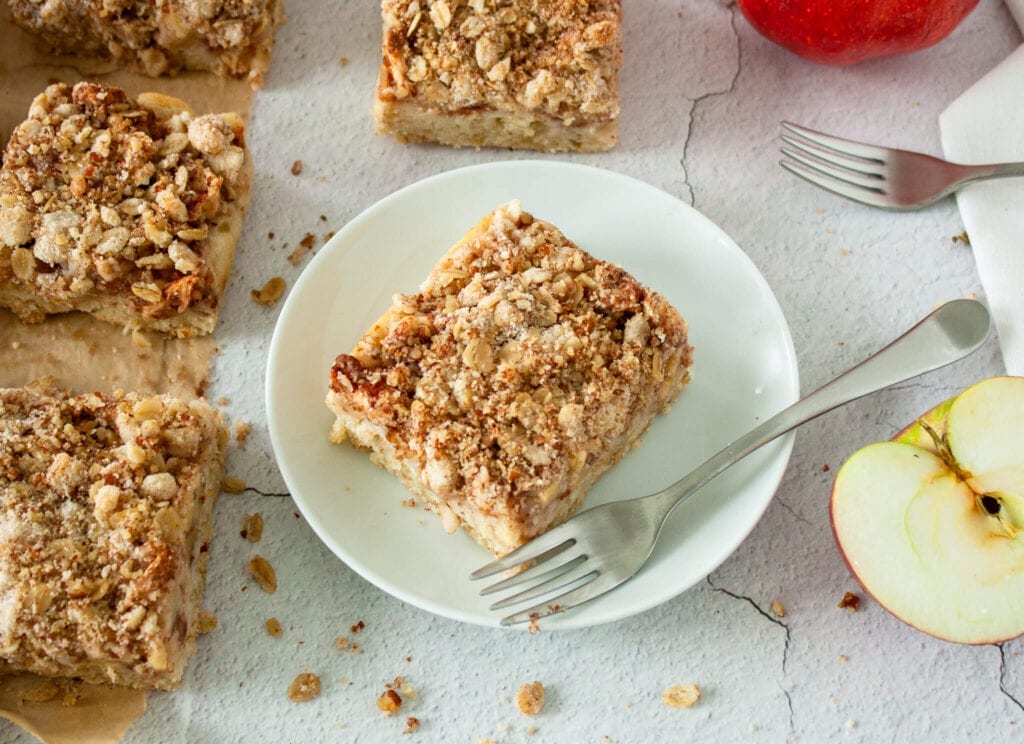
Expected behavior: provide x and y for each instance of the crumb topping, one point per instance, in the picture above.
(97, 502)
(557, 57)
(518, 361)
(101, 194)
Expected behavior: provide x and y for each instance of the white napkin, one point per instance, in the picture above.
(986, 125)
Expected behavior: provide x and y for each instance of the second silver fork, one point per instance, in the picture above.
(878, 176)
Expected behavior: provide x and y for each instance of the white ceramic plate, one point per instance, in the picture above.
(744, 371)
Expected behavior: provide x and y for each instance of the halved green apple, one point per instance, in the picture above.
(931, 524)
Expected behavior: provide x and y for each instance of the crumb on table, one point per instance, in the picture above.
(530, 698)
(304, 687)
(252, 527)
(263, 572)
(242, 429)
(850, 601)
(233, 485)
(681, 696)
(269, 293)
(389, 702)
(205, 622)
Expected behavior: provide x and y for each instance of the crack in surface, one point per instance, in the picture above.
(268, 494)
(785, 647)
(1002, 676)
(797, 516)
(695, 102)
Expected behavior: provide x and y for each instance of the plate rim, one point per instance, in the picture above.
(570, 621)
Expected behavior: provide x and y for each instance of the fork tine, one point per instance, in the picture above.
(838, 144)
(857, 166)
(578, 572)
(537, 572)
(572, 598)
(838, 172)
(538, 549)
(856, 193)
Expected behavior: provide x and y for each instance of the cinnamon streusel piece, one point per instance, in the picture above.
(129, 210)
(105, 509)
(231, 39)
(521, 371)
(535, 74)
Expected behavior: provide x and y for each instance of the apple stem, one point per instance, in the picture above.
(945, 452)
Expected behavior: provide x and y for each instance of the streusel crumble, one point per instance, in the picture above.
(536, 74)
(129, 210)
(231, 39)
(521, 371)
(105, 521)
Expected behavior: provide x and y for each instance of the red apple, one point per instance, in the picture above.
(844, 32)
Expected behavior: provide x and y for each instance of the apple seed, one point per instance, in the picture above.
(991, 504)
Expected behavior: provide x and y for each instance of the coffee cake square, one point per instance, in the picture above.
(521, 371)
(533, 74)
(106, 509)
(126, 209)
(231, 39)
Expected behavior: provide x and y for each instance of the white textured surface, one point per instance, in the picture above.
(702, 98)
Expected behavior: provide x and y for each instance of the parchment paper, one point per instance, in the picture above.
(74, 714)
(83, 354)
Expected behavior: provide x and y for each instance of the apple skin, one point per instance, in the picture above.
(944, 504)
(845, 32)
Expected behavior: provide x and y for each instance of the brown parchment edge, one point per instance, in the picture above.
(75, 714)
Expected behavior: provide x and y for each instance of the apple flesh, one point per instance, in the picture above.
(844, 32)
(931, 524)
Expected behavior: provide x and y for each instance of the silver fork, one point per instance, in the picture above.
(600, 548)
(878, 176)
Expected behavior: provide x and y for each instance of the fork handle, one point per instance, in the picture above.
(946, 335)
(982, 172)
